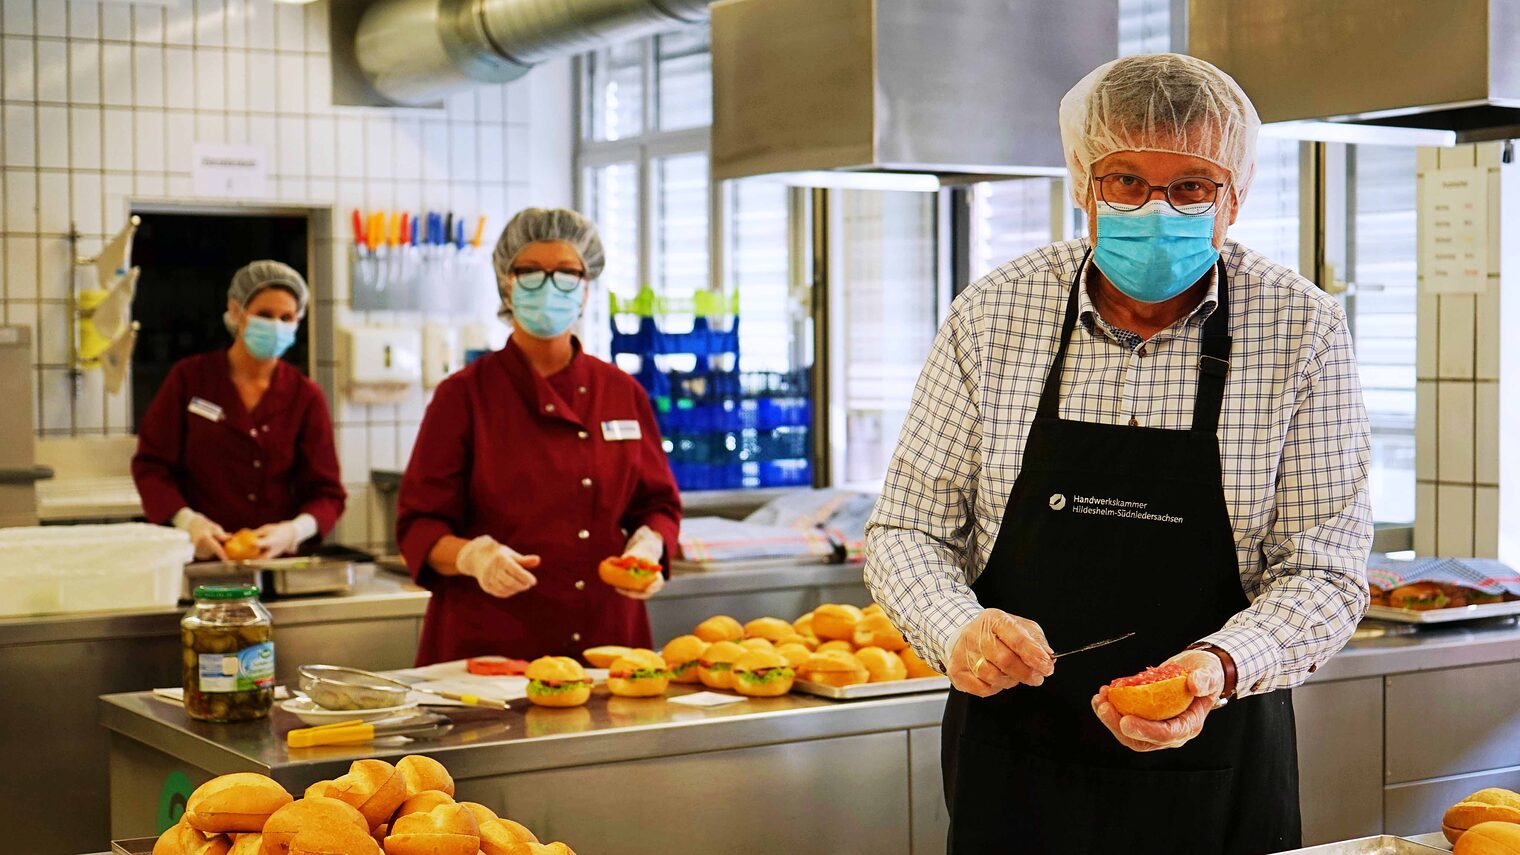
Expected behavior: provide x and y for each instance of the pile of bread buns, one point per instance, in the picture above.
(408, 809)
(1485, 823)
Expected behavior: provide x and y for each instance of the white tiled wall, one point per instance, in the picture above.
(1458, 422)
(100, 104)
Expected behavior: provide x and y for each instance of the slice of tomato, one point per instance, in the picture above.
(497, 666)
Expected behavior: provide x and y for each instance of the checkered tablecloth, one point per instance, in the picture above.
(1483, 574)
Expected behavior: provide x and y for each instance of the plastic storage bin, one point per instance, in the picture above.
(85, 568)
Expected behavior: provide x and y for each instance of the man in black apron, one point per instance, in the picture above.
(1115, 529)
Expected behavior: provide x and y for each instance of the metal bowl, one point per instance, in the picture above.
(337, 688)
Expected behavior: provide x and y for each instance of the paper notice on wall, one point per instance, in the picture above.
(229, 171)
(1454, 237)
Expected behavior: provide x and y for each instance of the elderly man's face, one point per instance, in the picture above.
(1160, 168)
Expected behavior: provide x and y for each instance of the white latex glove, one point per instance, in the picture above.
(995, 651)
(1205, 682)
(205, 535)
(647, 546)
(500, 571)
(283, 538)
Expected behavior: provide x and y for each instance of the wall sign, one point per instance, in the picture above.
(1454, 237)
(229, 171)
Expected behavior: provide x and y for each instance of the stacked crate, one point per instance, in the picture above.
(723, 428)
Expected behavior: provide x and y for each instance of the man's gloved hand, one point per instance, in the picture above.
(500, 571)
(995, 651)
(1205, 682)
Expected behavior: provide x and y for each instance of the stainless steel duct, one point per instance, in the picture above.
(413, 52)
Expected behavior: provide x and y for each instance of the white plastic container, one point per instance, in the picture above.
(85, 568)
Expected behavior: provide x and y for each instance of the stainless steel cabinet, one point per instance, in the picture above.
(1340, 759)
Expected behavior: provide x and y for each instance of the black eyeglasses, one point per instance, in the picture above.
(564, 280)
(1131, 192)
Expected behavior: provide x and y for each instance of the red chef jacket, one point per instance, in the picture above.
(547, 466)
(198, 447)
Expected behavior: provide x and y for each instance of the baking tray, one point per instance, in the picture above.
(135, 846)
(873, 690)
(1486, 610)
(1381, 845)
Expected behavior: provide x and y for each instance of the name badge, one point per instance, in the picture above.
(622, 430)
(205, 409)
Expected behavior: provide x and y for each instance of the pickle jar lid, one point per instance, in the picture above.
(225, 592)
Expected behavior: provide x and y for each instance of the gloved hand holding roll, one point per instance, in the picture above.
(283, 538)
(500, 570)
(647, 546)
(206, 536)
(997, 651)
(1205, 682)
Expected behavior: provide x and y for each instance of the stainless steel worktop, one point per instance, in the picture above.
(1425, 650)
(526, 738)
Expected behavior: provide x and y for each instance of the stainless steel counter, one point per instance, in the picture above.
(1427, 649)
(875, 764)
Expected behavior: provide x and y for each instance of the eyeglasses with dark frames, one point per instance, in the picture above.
(1129, 192)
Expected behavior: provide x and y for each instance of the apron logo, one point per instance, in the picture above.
(1057, 502)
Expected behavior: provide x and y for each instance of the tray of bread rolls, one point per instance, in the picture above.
(860, 691)
(1380, 845)
(1441, 590)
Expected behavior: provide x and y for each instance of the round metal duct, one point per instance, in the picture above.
(414, 52)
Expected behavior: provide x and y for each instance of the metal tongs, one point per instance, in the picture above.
(414, 725)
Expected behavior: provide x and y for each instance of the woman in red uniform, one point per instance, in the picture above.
(532, 465)
(238, 439)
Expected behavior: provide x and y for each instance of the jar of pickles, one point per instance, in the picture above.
(228, 654)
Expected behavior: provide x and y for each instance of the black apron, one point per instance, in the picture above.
(1108, 530)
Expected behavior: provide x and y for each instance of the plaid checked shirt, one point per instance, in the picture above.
(1293, 436)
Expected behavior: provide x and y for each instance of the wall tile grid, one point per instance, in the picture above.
(100, 104)
(1458, 422)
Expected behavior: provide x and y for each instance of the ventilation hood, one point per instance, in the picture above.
(954, 89)
(1430, 72)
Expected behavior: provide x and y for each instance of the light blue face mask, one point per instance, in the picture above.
(545, 312)
(1153, 253)
(267, 338)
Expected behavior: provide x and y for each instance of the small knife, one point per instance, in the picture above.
(1095, 645)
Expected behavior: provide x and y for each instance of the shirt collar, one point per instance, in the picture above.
(1087, 313)
(536, 389)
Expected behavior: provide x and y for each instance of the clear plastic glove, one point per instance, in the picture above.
(1205, 682)
(206, 536)
(278, 539)
(647, 546)
(997, 651)
(500, 571)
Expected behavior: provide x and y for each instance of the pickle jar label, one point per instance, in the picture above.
(248, 669)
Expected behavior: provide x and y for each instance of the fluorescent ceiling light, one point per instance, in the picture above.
(1350, 132)
(917, 182)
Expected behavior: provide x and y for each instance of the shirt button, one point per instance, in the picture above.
(583, 534)
(265, 428)
(1141, 351)
(253, 432)
(583, 434)
(585, 482)
(581, 390)
(252, 497)
(1134, 422)
(548, 408)
(575, 636)
(580, 584)
(1313, 666)
(258, 464)
(1257, 687)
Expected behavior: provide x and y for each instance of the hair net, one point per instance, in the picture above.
(258, 275)
(1158, 102)
(531, 225)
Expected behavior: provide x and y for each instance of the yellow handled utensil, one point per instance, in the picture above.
(328, 734)
(474, 700)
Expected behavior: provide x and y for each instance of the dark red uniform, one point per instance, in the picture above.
(564, 467)
(198, 447)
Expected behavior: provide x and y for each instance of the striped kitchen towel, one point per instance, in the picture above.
(1483, 574)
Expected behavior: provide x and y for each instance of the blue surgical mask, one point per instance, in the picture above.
(1153, 253)
(267, 338)
(545, 312)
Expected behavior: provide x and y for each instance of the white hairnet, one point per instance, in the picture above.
(258, 275)
(1158, 102)
(531, 225)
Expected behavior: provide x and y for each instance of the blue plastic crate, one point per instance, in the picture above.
(706, 476)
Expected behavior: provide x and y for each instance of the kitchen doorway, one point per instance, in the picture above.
(187, 259)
